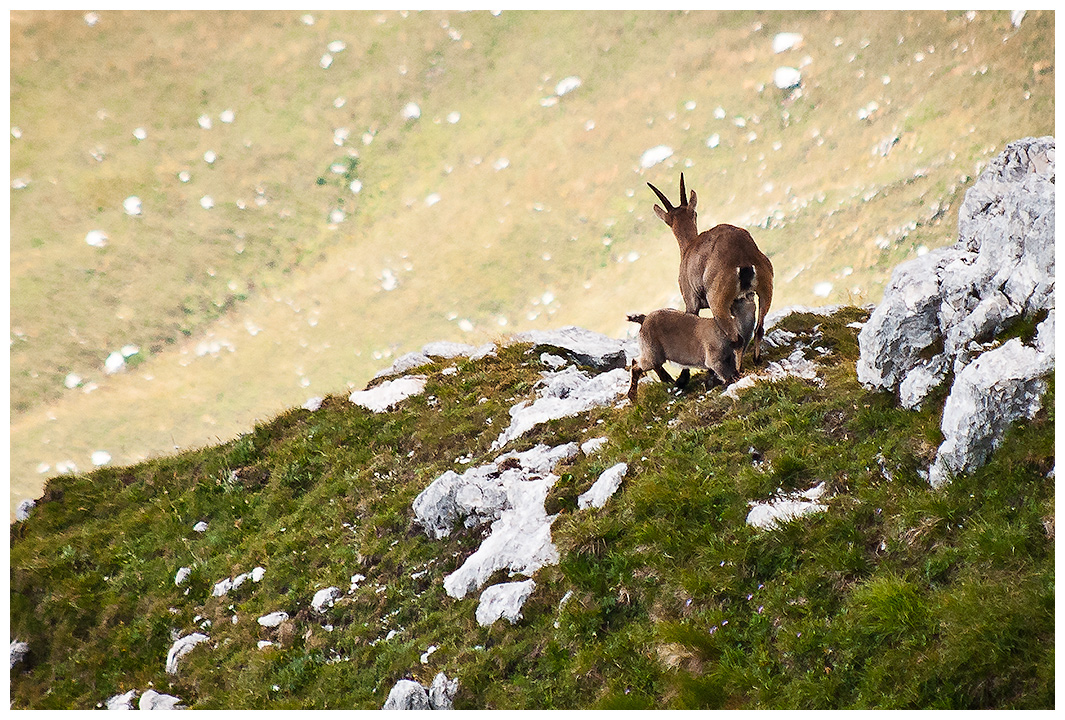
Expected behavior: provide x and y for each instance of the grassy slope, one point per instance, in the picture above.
(897, 596)
(808, 184)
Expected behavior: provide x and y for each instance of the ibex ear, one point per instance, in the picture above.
(661, 214)
(692, 201)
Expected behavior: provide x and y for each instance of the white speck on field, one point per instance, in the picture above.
(207, 202)
(91, 19)
(336, 46)
(356, 186)
(184, 176)
(822, 289)
(227, 116)
(432, 199)
(205, 122)
(655, 155)
(209, 157)
(101, 457)
(411, 111)
(567, 85)
(132, 205)
(140, 133)
(453, 117)
(326, 61)
(96, 238)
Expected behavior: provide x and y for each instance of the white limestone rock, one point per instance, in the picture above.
(324, 599)
(584, 347)
(407, 695)
(123, 701)
(767, 515)
(152, 700)
(503, 601)
(389, 393)
(601, 490)
(181, 648)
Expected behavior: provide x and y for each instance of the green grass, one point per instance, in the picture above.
(899, 596)
(808, 185)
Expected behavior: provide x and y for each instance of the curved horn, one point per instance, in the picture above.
(661, 197)
(683, 195)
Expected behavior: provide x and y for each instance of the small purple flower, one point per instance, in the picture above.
(688, 602)
(750, 596)
(713, 629)
(760, 609)
(724, 623)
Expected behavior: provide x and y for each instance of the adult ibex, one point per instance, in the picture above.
(716, 267)
(693, 341)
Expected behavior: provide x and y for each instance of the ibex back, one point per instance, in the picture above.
(717, 266)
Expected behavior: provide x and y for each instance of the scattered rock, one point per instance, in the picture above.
(503, 601)
(655, 155)
(389, 393)
(132, 205)
(180, 649)
(442, 692)
(410, 695)
(323, 599)
(181, 575)
(567, 85)
(601, 490)
(24, 509)
(795, 365)
(782, 508)
(411, 111)
(96, 238)
(592, 446)
(200, 527)
(122, 702)
(786, 41)
(786, 78)
(114, 363)
(274, 619)
(313, 404)
(19, 651)
(152, 700)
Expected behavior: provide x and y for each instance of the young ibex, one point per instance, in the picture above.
(690, 340)
(717, 266)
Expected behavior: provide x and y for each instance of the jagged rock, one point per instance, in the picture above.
(999, 387)
(179, 649)
(24, 509)
(122, 702)
(407, 695)
(152, 700)
(442, 692)
(1001, 269)
(584, 347)
(19, 650)
(601, 490)
(503, 601)
(323, 599)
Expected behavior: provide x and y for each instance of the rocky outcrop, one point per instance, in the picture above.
(182, 647)
(941, 312)
(584, 347)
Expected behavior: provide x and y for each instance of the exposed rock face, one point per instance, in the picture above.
(940, 310)
(410, 695)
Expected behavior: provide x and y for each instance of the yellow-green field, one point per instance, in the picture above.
(503, 207)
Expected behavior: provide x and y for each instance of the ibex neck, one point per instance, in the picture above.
(685, 232)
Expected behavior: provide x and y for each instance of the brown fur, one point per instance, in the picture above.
(686, 339)
(712, 264)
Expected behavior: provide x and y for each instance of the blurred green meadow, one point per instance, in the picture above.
(334, 231)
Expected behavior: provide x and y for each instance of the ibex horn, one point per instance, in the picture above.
(683, 195)
(661, 197)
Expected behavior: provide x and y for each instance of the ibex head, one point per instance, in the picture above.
(676, 217)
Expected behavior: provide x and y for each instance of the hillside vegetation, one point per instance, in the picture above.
(895, 596)
(265, 278)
